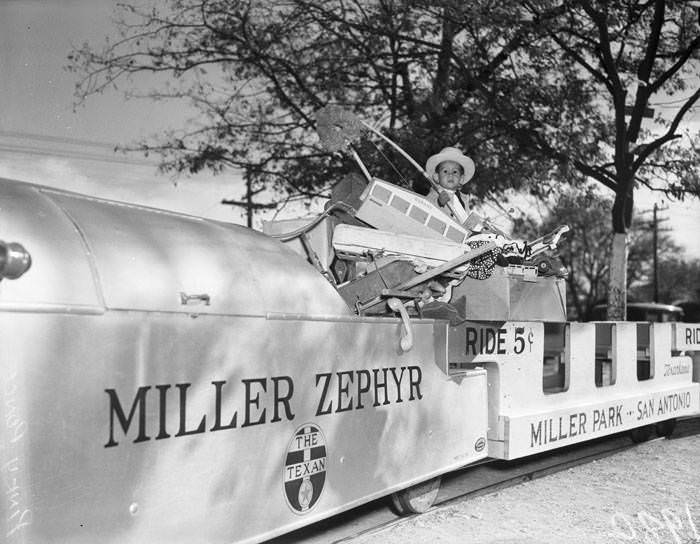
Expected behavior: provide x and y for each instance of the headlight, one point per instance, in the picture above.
(14, 260)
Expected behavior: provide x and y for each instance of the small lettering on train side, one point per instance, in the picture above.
(305, 468)
(692, 335)
(667, 404)
(677, 367)
(602, 420)
(490, 341)
(260, 401)
(551, 430)
(351, 390)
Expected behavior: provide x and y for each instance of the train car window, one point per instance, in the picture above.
(599, 313)
(555, 370)
(605, 371)
(645, 370)
(639, 314)
(691, 311)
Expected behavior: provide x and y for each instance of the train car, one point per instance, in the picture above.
(166, 378)
(557, 384)
(170, 379)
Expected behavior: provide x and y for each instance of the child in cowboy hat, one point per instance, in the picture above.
(450, 169)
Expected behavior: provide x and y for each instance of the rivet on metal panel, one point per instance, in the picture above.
(133, 508)
(186, 299)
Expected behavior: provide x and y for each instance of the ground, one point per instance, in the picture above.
(649, 494)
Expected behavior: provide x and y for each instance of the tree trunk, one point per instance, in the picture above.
(441, 83)
(621, 220)
(617, 293)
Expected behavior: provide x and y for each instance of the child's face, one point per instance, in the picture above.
(449, 175)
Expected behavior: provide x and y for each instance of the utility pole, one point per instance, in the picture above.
(654, 225)
(656, 255)
(248, 203)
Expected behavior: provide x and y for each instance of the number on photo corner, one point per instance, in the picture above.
(651, 527)
(673, 523)
(623, 528)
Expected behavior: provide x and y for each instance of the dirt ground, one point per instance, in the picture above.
(650, 494)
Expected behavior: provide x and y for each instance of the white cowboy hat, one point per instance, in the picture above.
(451, 154)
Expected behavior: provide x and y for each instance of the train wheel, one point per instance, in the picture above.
(641, 434)
(665, 428)
(416, 499)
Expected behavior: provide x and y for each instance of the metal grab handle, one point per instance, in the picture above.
(406, 339)
(186, 299)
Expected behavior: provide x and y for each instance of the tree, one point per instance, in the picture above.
(679, 280)
(631, 51)
(430, 73)
(586, 248)
(537, 91)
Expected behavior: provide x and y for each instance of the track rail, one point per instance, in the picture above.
(474, 481)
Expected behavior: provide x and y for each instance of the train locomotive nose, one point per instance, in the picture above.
(15, 260)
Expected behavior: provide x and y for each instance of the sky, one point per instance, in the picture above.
(43, 139)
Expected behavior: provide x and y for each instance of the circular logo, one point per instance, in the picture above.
(305, 468)
(480, 444)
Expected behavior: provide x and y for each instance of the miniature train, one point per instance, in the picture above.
(167, 378)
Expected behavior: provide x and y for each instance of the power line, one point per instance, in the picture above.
(23, 149)
(63, 151)
(57, 139)
(653, 225)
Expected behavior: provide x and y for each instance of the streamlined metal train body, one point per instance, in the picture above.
(165, 378)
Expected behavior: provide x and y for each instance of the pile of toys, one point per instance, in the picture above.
(377, 241)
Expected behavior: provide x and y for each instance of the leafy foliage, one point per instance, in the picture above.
(679, 280)
(538, 92)
(430, 73)
(535, 91)
(585, 251)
